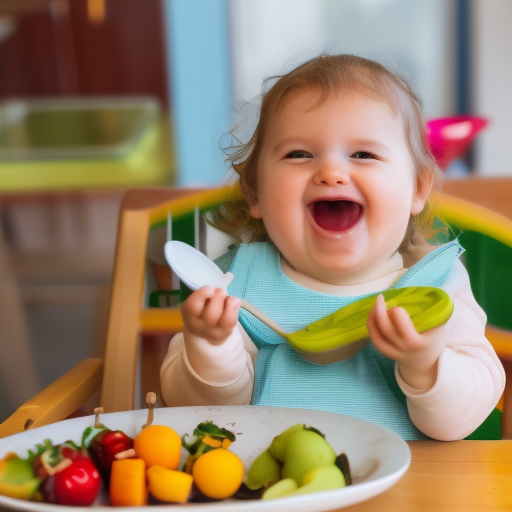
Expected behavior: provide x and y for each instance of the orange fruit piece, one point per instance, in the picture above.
(218, 473)
(169, 485)
(158, 445)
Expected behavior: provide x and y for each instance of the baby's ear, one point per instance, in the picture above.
(424, 183)
(252, 199)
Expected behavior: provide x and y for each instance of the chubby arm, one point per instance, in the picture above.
(211, 362)
(451, 376)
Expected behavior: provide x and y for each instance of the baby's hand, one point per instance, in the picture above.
(393, 334)
(210, 313)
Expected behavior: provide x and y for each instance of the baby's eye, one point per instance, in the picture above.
(362, 155)
(298, 153)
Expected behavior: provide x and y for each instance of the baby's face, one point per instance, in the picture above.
(336, 185)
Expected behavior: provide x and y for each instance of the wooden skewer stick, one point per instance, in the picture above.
(127, 454)
(97, 412)
(150, 400)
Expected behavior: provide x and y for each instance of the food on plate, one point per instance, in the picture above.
(278, 445)
(298, 461)
(169, 485)
(343, 464)
(61, 474)
(320, 478)
(280, 489)
(304, 451)
(128, 483)
(68, 475)
(206, 437)
(17, 478)
(218, 473)
(146, 469)
(105, 445)
(264, 471)
(158, 445)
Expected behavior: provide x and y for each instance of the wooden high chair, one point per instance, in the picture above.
(139, 328)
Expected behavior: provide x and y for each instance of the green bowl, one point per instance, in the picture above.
(427, 306)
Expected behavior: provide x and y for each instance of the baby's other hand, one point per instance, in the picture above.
(394, 335)
(210, 313)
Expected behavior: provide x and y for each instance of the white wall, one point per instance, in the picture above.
(492, 84)
(269, 36)
(272, 36)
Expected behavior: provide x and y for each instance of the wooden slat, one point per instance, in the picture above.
(59, 400)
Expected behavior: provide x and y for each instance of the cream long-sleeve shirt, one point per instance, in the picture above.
(469, 383)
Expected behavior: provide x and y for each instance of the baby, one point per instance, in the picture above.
(334, 184)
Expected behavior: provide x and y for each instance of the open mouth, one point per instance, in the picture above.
(336, 215)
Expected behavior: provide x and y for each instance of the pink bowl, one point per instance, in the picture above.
(451, 137)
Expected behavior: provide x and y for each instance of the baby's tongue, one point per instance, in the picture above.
(336, 215)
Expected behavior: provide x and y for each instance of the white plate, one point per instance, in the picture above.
(378, 458)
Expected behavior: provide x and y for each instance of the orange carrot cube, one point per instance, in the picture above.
(128, 483)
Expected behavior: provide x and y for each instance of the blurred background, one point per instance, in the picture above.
(167, 80)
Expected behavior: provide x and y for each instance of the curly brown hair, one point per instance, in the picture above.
(328, 74)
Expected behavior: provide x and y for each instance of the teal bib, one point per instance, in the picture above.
(363, 386)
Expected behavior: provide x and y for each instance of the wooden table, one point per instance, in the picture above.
(450, 477)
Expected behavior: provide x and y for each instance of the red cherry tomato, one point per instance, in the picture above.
(115, 442)
(104, 448)
(76, 485)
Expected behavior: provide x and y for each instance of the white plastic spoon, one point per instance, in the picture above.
(195, 270)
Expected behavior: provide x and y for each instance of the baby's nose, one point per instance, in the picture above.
(331, 174)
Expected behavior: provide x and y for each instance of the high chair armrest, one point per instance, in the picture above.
(59, 400)
(501, 340)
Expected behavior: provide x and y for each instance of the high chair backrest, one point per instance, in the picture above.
(145, 296)
(139, 270)
(487, 237)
